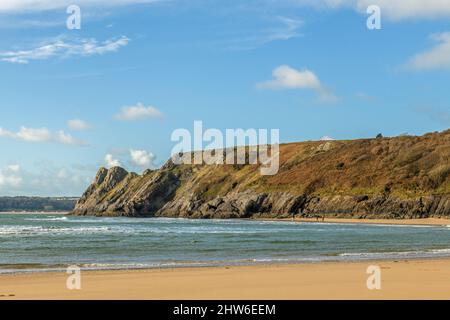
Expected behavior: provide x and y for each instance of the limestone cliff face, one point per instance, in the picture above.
(402, 177)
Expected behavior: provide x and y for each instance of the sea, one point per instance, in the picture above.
(37, 242)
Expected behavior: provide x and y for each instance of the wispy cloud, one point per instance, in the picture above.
(41, 135)
(18, 6)
(15, 22)
(392, 9)
(436, 58)
(364, 96)
(286, 28)
(436, 114)
(138, 112)
(63, 48)
(286, 77)
(78, 124)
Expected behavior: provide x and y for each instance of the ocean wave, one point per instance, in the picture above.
(375, 254)
(47, 219)
(37, 230)
(418, 253)
(135, 229)
(441, 250)
(306, 259)
(153, 265)
(399, 225)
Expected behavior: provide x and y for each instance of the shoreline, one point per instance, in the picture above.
(401, 279)
(418, 222)
(408, 222)
(201, 266)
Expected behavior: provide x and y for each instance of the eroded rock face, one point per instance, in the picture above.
(115, 192)
(405, 177)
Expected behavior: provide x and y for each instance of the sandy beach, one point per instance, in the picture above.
(413, 279)
(418, 222)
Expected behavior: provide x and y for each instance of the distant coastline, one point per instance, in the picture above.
(37, 204)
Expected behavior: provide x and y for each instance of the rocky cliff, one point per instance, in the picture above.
(401, 177)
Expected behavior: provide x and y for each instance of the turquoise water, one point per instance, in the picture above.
(53, 241)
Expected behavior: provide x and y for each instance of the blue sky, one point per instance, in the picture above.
(114, 91)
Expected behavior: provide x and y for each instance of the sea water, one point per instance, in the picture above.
(47, 242)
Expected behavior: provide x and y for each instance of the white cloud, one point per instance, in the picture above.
(79, 125)
(41, 135)
(9, 176)
(436, 58)
(17, 6)
(286, 77)
(392, 9)
(111, 162)
(142, 158)
(401, 9)
(28, 134)
(64, 48)
(33, 135)
(326, 138)
(62, 173)
(13, 168)
(9, 180)
(45, 179)
(138, 112)
(66, 138)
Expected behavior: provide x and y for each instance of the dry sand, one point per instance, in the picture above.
(414, 279)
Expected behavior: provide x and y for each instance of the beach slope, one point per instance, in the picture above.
(414, 279)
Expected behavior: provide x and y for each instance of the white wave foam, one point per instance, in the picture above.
(441, 250)
(47, 219)
(428, 252)
(37, 230)
(120, 266)
(399, 225)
